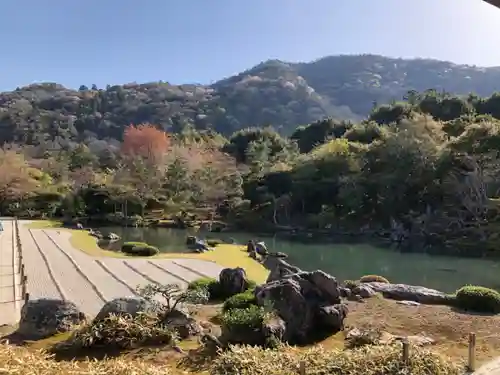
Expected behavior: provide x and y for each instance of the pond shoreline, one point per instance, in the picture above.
(314, 237)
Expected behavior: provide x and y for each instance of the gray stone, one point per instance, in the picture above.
(332, 317)
(112, 237)
(261, 248)
(408, 303)
(182, 323)
(46, 317)
(126, 306)
(233, 281)
(403, 292)
(345, 292)
(308, 302)
(279, 268)
(364, 291)
(274, 328)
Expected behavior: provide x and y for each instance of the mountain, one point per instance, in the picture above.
(274, 92)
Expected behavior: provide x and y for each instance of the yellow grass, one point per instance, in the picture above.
(226, 255)
(22, 361)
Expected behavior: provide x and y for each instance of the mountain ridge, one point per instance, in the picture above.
(274, 92)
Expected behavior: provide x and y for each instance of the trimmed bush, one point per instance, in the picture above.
(127, 246)
(373, 279)
(478, 298)
(139, 249)
(203, 283)
(210, 285)
(240, 301)
(243, 319)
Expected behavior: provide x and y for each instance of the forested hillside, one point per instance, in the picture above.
(275, 93)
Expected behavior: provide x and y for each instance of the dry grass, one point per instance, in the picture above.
(225, 255)
(374, 360)
(23, 361)
(448, 327)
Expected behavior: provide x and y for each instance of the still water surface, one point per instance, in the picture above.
(345, 261)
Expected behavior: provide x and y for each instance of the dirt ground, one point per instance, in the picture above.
(448, 327)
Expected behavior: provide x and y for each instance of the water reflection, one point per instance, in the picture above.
(345, 261)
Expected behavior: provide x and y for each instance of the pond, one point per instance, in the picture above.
(344, 261)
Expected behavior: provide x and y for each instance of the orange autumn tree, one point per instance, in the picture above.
(144, 148)
(146, 141)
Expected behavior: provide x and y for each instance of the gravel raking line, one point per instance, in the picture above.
(42, 282)
(56, 269)
(108, 283)
(77, 287)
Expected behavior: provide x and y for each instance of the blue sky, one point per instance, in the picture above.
(117, 41)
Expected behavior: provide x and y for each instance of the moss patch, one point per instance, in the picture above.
(44, 224)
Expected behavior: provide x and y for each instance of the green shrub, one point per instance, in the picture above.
(210, 285)
(373, 278)
(478, 298)
(351, 284)
(243, 319)
(127, 246)
(240, 301)
(141, 249)
(203, 283)
(251, 285)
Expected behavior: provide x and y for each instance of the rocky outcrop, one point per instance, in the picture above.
(308, 303)
(125, 306)
(233, 281)
(278, 268)
(403, 292)
(46, 317)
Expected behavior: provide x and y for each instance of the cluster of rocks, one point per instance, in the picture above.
(112, 237)
(306, 304)
(43, 318)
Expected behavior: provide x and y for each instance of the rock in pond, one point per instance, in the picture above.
(112, 237)
(42, 318)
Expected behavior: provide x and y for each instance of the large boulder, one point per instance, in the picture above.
(233, 281)
(125, 306)
(308, 302)
(403, 292)
(46, 317)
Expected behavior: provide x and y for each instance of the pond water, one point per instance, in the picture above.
(344, 261)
